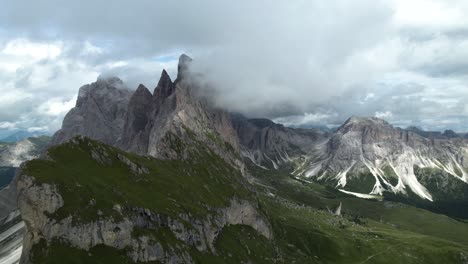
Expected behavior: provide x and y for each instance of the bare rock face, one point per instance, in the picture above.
(135, 136)
(372, 145)
(141, 122)
(272, 145)
(100, 112)
(38, 201)
(7, 200)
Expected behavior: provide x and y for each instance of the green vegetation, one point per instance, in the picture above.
(390, 175)
(304, 231)
(40, 142)
(170, 187)
(59, 252)
(362, 182)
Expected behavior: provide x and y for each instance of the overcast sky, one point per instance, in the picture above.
(301, 63)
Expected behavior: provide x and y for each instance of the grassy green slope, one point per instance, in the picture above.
(395, 233)
(304, 231)
(169, 187)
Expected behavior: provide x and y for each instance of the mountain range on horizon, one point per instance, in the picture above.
(165, 176)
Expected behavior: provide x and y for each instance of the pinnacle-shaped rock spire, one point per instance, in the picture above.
(165, 85)
(184, 63)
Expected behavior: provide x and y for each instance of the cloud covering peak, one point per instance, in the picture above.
(300, 63)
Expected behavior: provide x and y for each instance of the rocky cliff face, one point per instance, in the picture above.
(140, 122)
(390, 155)
(118, 216)
(99, 113)
(272, 145)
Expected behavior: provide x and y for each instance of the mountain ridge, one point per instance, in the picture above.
(144, 122)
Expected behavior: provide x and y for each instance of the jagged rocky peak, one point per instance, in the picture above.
(139, 105)
(143, 123)
(99, 112)
(141, 89)
(183, 67)
(165, 85)
(103, 83)
(104, 86)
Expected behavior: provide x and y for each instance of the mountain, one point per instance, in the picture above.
(369, 158)
(139, 209)
(167, 177)
(148, 123)
(20, 135)
(271, 145)
(366, 157)
(99, 112)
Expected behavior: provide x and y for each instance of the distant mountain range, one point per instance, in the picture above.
(20, 135)
(164, 176)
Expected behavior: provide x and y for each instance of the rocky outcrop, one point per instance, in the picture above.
(135, 134)
(141, 122)
(100, 112)
(38, 202)
(272, 145)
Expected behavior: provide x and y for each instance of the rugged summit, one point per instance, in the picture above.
(143, 122)
(99, 112)
(364, 146)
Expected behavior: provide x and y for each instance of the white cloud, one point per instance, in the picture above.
(56, 106)
(90, 49)
(433, 13)
(307, 119)
(7, 125)
(35, 50)
(303, 63)
(38, 129)
(384, 115)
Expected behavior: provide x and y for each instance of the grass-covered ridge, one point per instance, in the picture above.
(303, 229)
(99, 174)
